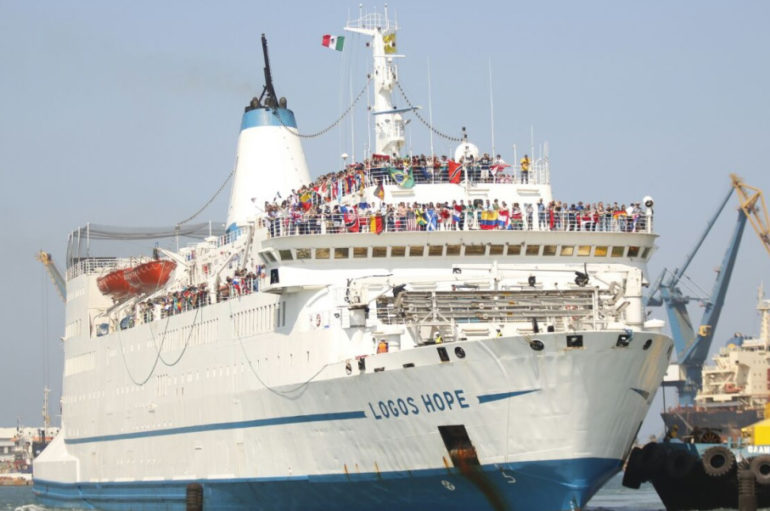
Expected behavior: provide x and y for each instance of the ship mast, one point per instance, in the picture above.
(388, 125)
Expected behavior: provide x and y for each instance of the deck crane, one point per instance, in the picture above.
(692, 347)
(54, 273)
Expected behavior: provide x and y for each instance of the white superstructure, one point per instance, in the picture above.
(321, 359)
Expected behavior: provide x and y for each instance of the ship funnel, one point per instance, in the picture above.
(270, 162)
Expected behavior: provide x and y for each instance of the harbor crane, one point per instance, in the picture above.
(692, 346)
(54, 273)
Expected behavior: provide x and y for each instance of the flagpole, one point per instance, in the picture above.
(491, 109)
(352, 121)
(430, 114)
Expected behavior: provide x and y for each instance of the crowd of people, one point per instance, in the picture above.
(473, 215)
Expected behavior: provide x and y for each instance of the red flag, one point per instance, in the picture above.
(378, 224)
(455, 172)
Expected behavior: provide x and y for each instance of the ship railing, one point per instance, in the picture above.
(89, 265)
(564, 221)
(476, 173)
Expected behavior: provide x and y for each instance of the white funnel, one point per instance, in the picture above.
(269, 161)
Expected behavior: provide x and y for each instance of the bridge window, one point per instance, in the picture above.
(322, 253)
(416, 250)
(514, 250)
(600, 251)
(285, 255)
(397, 251)
(359, 252)
(633, 251)
(436, 250)
(584, 250)
(549, 250)
(496, 249)
(477, 250)
(618, 251)
(533, 250)
(341, 253)
(567, 250)
(303, 253)
(379, 251)
(645, 252)
(453, 250)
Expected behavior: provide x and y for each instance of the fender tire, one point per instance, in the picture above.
(652, 460)
(633, 476)
(760, 467)
(718, 461)
(679, 463)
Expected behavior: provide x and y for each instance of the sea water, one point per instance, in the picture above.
(612, 497)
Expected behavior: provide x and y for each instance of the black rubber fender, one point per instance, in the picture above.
(679, 463)
(633, 475)
(652, 460)
(718, 461)
(760, 467)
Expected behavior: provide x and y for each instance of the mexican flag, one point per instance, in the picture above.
(333, 42)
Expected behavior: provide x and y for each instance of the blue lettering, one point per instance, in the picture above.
(402, 406)
(384, 409)
(449, 398)
(438, 401)
(415, 409)
(427, 403)
(392, 408)
(374, 414)
(461, 398)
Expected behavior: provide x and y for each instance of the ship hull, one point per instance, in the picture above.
(727, 423)
(544, 428)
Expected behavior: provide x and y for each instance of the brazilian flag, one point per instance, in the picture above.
(403, 178)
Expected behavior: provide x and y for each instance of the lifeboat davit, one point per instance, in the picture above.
(115, 284)
(150, 276)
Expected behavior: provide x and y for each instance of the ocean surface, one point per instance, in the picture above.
(613, 497)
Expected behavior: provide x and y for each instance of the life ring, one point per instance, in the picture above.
(760, 467)
(679, 463)
(718, 461)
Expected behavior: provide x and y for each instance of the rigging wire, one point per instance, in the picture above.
(208, 203)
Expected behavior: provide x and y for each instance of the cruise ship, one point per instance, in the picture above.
(397, 335)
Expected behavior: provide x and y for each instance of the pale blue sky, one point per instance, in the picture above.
(127, 113)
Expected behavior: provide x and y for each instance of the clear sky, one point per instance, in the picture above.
(127, 113)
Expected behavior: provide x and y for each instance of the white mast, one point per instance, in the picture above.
(388, 125)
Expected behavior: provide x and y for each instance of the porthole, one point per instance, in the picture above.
(460, 352)
(536, 344)
(647, 344)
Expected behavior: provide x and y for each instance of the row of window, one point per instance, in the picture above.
(259, 319)
(462, 250)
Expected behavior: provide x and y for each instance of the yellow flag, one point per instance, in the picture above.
(390, 42)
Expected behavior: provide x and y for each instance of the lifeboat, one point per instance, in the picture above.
(150, 276)
(115, 284)
(731, 388)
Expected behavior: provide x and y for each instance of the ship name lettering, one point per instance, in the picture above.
(431, 402)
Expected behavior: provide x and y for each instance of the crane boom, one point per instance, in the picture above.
(54, 273)
(751, 201)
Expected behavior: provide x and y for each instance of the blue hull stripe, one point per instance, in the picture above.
(257, 423)
(555, 485)
(486, 398)
(266, 117)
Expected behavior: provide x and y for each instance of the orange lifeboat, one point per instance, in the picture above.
(115, 284)
(731, 388)
(150, 276)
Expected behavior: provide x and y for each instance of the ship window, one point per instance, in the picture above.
(514, 250)
(496, 249)
(379, 251)
(269, 256)
(397, 251)
(285, 255)
(633, 251)
(533, 250)
(549, 250)
(341, 253)
(322, 253)
(600, 251)
(567, 250)
(645, 252)
(360, 252)
(618, 251)
(416, 250)
(436, 250)
(475, 249)
(584, 250)
(452, 250)
(303, 253)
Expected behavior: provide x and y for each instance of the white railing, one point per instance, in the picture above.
(336, 223)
